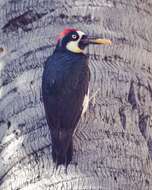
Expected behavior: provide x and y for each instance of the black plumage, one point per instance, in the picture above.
(64, 85)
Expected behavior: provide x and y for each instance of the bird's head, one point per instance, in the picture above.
(76, 40)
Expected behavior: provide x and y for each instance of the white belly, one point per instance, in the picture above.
(85, 103)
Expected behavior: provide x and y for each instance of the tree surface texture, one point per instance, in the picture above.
(113, 143)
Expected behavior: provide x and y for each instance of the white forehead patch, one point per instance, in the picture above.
(73, 45)
(80, 33)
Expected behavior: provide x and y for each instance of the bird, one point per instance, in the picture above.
(65, 90)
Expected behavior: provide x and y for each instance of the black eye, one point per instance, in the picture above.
(74, 36)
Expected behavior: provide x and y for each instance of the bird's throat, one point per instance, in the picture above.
(73, 47)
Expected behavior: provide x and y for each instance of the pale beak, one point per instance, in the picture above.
(100, 41)
(86, 40)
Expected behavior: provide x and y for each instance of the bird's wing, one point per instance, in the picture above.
(64, 86)
(65, 94)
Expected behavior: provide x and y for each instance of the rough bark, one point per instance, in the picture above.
(113, 144)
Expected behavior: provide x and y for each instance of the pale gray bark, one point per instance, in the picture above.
(113, 144)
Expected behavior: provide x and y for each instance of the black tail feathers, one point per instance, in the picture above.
(62, 152)
(62, 157)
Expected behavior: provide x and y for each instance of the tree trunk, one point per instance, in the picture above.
(113, 144)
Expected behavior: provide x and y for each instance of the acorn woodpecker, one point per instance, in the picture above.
(65, 84)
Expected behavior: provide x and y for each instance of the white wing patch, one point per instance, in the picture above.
(85, 103)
